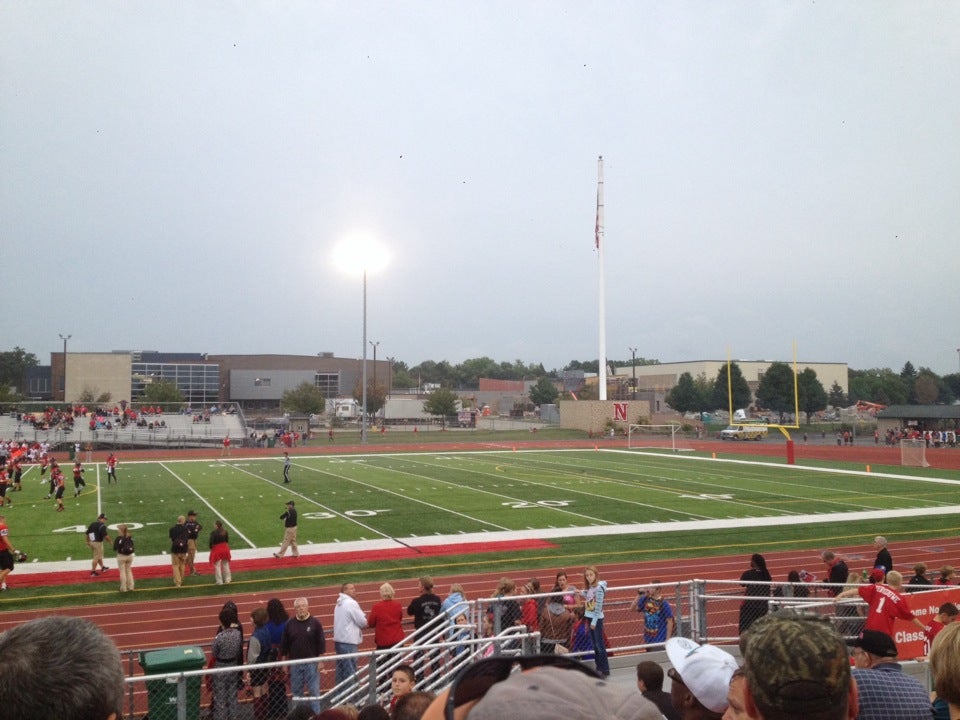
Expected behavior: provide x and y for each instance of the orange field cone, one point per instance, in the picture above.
(868, 468)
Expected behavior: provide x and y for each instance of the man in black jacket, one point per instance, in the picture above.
(289, 532)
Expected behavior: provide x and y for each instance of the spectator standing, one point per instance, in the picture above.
(6, 554)
(277, 617)
(947, 574)
(123, 547)
(883, 559)
(303, 639)
(227, 651)
(886, 603)
(837, 572)
(96, 535)
(178, 550)
(884, 691)
(289, 518)
(658, 620)
(946, 614)
(260, 650)
(60, 648)
(386, 619)
(112, 469)
(755, 583)
(193, 532)
(426, 606)
(919, 581)
(556, 625)
(530, 610)
(593, 595)
(220, 554)
(650, 684)
(348, 624)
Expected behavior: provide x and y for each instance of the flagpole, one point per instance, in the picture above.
(602, 356)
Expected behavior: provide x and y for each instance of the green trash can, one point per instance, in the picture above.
(162, 694)
(271, 441)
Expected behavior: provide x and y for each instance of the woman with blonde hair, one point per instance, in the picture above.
(945, 669)
(123, 547)
(386, 617)
(593, 593)
(946, 575)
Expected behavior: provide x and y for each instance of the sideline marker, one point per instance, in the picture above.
(868, 468)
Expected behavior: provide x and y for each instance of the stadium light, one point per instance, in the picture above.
(360, 254)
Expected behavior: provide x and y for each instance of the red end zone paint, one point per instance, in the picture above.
(271, 563)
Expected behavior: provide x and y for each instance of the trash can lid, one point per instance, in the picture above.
(164, 660)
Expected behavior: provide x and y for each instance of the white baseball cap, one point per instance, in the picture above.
(706, 670)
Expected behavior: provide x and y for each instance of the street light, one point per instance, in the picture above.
(633, 352)
(359, 254)
(65, 338)
(374, 344)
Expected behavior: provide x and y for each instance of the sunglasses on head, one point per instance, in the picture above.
(475, 680)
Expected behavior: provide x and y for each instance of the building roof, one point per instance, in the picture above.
(921, 412)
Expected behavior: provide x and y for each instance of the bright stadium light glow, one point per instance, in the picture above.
(360, 253)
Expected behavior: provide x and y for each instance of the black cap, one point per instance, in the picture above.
(876, 643)
(192, 512)
(101, 516)
(290, 503)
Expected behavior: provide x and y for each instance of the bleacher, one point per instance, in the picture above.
(177, 430)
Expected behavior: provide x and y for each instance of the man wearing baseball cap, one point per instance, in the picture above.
(885, 691)
(797, 668)
(289, 532)
(96, 535)
(699, 678)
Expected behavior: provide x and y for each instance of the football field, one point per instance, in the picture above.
(416, 496)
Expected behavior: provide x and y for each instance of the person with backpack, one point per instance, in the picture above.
(123, 547)
(260, 650)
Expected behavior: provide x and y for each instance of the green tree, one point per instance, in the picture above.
(810, 391)
(775, 391)
(376, 396)
(306, 399)
(401, 376)
(909, 376)
(879, 385)
(741, 390)
(837, 398)
(442, 402)
(684, 397)
(544, 392)
(951, 388)
(161, 392)
(926, 387)
(13, 368)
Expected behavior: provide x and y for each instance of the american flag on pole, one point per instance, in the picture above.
(596, 230)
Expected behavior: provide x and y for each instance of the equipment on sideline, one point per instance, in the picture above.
(913, 453)
(645, 437)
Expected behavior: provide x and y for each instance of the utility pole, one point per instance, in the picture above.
(633, 352)
(374, 344)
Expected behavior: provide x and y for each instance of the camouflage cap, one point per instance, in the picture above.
(796, 665)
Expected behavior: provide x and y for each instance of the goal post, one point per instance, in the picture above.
(660, 437)
(913, 453)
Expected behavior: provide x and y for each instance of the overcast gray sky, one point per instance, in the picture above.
(176, 176)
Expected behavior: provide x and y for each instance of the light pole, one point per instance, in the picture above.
(374, 343)
(360, 254)
(65, 338)
(390, 376)
(633, 352)
(958, 354)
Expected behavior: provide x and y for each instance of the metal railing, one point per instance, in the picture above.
(704, 611)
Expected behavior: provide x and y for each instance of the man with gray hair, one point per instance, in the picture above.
(67, 649)
(797, 668)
